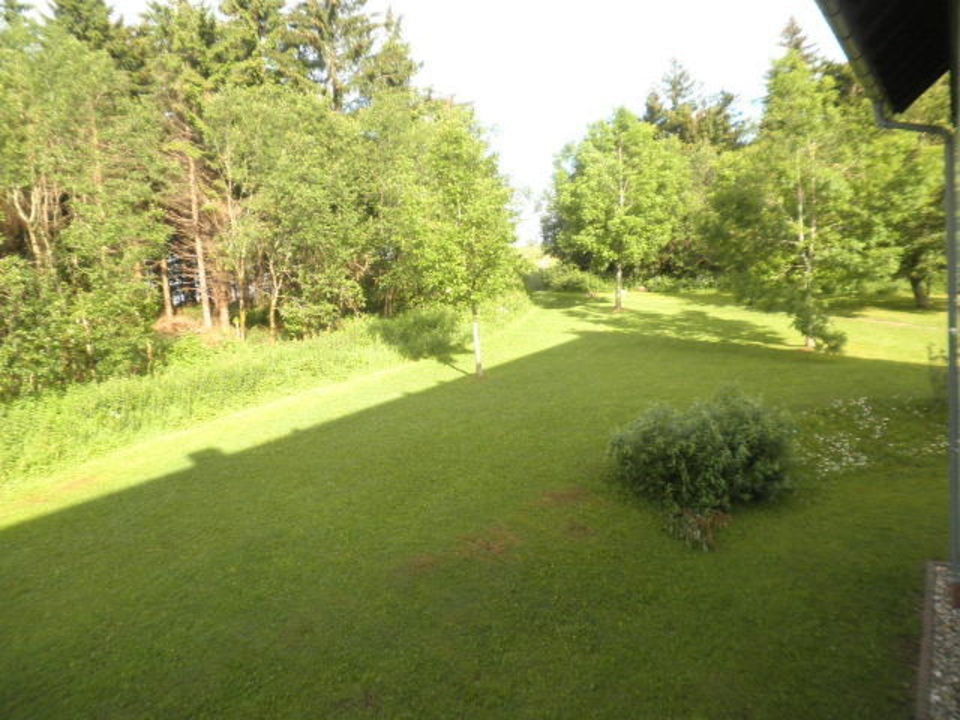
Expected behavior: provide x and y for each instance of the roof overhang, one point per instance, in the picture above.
(898, 48)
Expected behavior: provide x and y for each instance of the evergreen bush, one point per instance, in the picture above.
(722, 452)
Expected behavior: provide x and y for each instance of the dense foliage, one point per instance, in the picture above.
(722, 452)
(567, 277)
(257, 163)
(814, 203)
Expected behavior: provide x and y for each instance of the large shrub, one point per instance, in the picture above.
(569, 278)
(728, 450)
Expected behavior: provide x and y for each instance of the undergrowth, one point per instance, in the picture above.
(201, 382)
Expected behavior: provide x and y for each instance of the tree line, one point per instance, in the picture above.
(259, 163)
(811, 203)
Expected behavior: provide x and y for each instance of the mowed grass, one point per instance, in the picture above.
(416, 544)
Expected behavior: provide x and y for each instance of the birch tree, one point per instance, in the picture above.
(618, 197)
(464, 255)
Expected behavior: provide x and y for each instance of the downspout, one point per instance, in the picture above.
(953, 382)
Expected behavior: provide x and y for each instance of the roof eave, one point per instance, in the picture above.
(861, 65)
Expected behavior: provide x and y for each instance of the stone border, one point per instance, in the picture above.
(925, 666)
(938, 674)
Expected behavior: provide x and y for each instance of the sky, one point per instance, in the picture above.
(538, 72)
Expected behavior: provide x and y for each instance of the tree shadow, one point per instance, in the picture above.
(284, 580)
(854, 306)
(846, 306)
(430, 332)
(684, 325)
(708, 298)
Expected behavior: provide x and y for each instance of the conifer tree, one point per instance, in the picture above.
(255, 45)
(332, 38)
(13, 11)
(87, 20)
(390, 67)
(679, 109)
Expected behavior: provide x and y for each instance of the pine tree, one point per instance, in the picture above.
(332, 38)
(391, 67)
(13, 11)
(87, 20)
(183, 39)
(679, 109)
(792, 37)
(255, 46)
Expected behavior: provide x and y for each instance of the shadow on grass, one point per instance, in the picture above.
(851, 307)
(277, 581)
(839, 306)
(431, 332)
(683, 325)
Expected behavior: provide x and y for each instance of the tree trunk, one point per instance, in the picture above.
(242, 301)
(221, 299)
(198, 245)
(388, 303)
(273, 315)
(618, 297)
(88, 346)
(165, 285)
(274, 298)
(477, 354)
(921, 293)
(810, 343)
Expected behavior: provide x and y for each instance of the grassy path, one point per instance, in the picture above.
(413, 543)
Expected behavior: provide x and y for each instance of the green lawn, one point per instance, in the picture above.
(414, 543)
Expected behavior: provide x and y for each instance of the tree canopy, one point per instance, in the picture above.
(259, 161)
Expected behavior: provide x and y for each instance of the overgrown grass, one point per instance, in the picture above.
(203, 381)
(418, 544)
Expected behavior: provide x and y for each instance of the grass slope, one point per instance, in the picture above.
(416, 544)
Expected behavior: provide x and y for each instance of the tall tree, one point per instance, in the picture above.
(681, 110)
(255, 45)
(87, 20)
(792, 37)
(465, 254)
(790, 231)
(332, 38)
(617, 197)
(13, 11)
(390, 67)
(184, 40)
(77, 182)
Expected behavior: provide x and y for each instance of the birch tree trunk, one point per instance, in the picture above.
(477, 353)
(618, 301)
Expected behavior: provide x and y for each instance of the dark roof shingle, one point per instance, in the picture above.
(898, 48)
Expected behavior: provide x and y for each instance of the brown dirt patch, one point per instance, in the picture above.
(493, 543)
(298, 632)
(566, 496)
(177, 325)
(578, 531)
(421, 563)
(367, 703)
